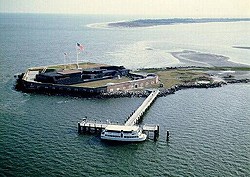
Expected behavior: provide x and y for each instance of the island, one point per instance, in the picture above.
(171, 21)
(103, 81)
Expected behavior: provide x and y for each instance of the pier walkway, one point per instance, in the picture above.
(135, 117)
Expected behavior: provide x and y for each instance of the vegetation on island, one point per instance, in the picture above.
(171, 77)
(182, 75)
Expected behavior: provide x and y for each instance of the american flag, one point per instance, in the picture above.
(80, 46)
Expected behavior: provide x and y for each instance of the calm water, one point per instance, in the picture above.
(209, 128)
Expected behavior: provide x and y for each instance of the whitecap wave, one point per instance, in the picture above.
(98, 25)
(103, 25)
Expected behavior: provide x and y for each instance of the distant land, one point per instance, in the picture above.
(241, 47)
(157, 22)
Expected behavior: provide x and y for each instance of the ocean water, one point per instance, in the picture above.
(209, 128)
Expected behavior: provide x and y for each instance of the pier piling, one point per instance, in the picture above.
(167, 135)
(156, 132)
(79, 127)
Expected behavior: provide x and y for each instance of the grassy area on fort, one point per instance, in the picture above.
(100, 83)
(171, 77)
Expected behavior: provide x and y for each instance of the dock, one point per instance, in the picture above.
(94, 126)
(89, 126)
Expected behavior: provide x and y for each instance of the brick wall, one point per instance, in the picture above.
(140, 83)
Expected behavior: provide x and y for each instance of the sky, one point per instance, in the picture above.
(167, 8)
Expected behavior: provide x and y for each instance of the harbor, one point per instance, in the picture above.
(94, 126)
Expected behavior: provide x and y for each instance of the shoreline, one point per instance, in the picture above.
(142, 93)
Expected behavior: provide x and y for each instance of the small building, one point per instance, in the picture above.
(65, 77)
(93, 73)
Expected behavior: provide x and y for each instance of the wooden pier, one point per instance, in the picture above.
(137, 115)
(90, 126)
(149, 129)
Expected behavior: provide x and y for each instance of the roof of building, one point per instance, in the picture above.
(112, 67)
(103, 82)
(63, 72)
(50, 74)
(121, 127)
(93, 70)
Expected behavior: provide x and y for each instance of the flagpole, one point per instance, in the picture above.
(77, 53)
(64, 60)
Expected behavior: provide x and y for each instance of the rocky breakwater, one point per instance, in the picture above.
(163, 91)
(119, 94)
(173, 89)
(234, 81)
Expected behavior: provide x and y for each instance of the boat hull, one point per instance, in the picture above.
(143, 137)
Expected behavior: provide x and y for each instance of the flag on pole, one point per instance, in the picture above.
(79, 46)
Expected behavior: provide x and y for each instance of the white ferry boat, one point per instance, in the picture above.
(123, 133)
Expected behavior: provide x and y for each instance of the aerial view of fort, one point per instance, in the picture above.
(122, 88)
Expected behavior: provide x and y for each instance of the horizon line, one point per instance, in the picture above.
(149, 15)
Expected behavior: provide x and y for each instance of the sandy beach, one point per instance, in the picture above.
(195, 58)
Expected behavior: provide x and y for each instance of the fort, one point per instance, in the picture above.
(88, 79)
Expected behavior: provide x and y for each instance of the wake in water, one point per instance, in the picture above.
(103, 25)
(98, 25)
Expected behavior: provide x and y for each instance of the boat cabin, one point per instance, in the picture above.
(123, 133)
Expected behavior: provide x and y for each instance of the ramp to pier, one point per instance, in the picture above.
(140, 111)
